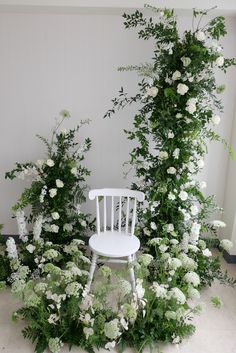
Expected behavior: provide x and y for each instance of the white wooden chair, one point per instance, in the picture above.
(115, 244)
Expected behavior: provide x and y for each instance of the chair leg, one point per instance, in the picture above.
(92, 269)
(131, 272)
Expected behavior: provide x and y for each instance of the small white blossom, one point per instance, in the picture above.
(220, 61)
(159, 290)
(110, 345)
(74, 171)
(153, 226)
(200, 163)
(54, 228)
(37, 227)
(176, 153)
(170, 134)
(215, 119)
(11, 248)
(170, 228)
(194, 210)
(203, 184)
(171, 196)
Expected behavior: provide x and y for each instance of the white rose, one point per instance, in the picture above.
(152, 91)
(163, 155)
(52, 192)
(191, 108)
(153, 226)
(74, 171)
(186, 61)
(207, 252)
(59, 183)
(226, 244)
(200, 35)
(50, 163)
(30, 248)
(55, 215)
(182, 88)
(216, 119)
(200, 163)
(194, 210)
(220, 61)
(176, 75)
(171, 170)
(183, 195)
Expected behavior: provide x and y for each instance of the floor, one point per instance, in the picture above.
(215, 328)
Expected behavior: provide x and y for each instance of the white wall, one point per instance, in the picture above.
(53, 61)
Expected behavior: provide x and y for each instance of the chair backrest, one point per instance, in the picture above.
(127, 201)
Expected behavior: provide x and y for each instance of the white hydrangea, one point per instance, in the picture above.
(218, 224)
(200, 163)
(55, 345)
(203, 184)
(159, 290)
(111, 329)
(177, 294)
(68, 227)
(73, 289)
(175, 263)
(195, 231)
(170, 228)
(124, 287)
(226, 244)
(193, 293)
(192, 278)
(207, 252)
(54, 228)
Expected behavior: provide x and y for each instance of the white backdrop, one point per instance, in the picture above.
(49, 62)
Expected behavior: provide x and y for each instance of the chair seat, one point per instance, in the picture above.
(114, 244)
